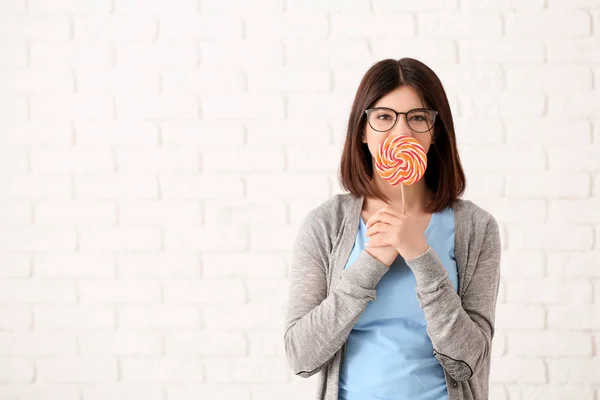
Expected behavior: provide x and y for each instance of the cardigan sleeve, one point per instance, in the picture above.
(461, 329)
(317, 325)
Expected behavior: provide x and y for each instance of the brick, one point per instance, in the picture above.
(194, 186)
(502, 50)
(297, 185)
(35, 186)
(120, 343)
(15, 214)
(159, 265)
(551, 344)
(116, 292)
(549, 77)
(116, 28)
(425, 50)
(200, 133)
(57, 134)
(37, 344)
(37, 80)
(292, 131)
(244, 212)
(73, 317)
(13, 55)
(156, 6)
(208, 391)
(548, 24)
(69, 6)
(245, 159)
(205, 291)
(243, 317)
(33, 291)
(550, 237)
(71, 54)
(76, 369)
(35, 27)
(75, 265)
(547, 131)
(158, 317)
(119, 238)
(574, 318)
(155, 107)
(163, 159)
(71, 106)
(246, 265)
(13, 108)
(573, 50)
(116, 186)
(75, 213)
(209, 239)
(520, 317)
(178, 370)
(246, 370)
(264, 52)
(188, 27)
(156, 54)
(116, 133)
(518, 263)
(512, 104)
(358, 25)
(547, 184)
(16, 370)
(518, 370)
(205, 343)
(218, 80)
(15, 318)
(247, 106)
(117, 80)
(14, 265)
(574, 264)
(457, 25)
(549, 291)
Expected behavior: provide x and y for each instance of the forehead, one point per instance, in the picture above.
(402, 99)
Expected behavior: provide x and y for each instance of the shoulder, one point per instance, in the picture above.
(326, 218)
(479, 224)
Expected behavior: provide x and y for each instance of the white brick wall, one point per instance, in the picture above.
(157, 156)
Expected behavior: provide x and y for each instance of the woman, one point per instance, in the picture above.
(386, 304)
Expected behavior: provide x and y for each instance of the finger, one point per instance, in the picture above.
(380, 217)
(379, 227)
(378, 240)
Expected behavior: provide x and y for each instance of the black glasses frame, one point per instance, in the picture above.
(432, 113)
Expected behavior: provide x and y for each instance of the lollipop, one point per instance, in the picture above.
(401, 159)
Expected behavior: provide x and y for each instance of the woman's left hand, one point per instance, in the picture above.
(388, 226)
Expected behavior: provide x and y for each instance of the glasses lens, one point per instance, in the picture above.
(420, 121)
(381, 120)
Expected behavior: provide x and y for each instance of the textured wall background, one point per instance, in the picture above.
(157, 157)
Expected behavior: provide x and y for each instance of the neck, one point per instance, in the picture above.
(415, 196)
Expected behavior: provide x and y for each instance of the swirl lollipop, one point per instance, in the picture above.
(401, 159)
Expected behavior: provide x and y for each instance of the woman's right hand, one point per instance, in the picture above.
(384, 254)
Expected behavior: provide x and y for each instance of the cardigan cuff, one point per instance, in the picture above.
(428, 270)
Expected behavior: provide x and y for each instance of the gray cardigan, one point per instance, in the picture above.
(325, 300)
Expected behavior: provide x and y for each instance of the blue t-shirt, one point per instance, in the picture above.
(389, 355)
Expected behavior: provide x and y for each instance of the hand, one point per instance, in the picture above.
(384, 254)
(389, 227)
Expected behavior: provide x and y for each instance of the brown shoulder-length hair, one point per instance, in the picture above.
(444, 174)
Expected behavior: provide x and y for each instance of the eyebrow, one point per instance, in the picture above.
(410, 109)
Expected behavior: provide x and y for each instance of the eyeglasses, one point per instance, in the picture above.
(383, 119)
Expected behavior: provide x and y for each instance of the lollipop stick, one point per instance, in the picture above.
(402, 192)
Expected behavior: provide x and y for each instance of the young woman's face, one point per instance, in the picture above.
(402, 99)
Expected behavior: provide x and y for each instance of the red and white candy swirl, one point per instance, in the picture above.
(401, 159)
